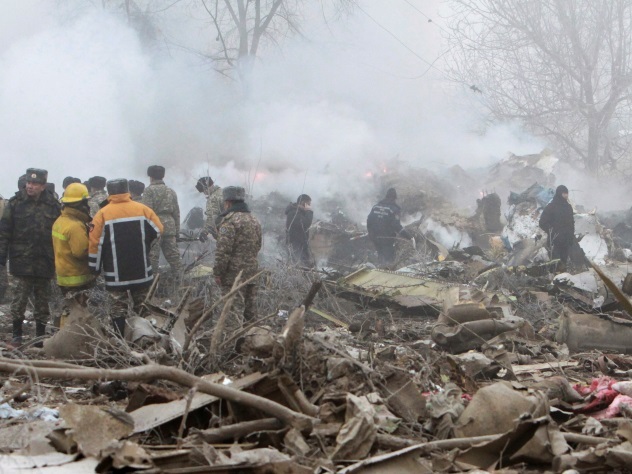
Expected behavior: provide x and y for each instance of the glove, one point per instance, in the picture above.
(203, 236)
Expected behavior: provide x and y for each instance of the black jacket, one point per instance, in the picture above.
(26, 234)
(383, 221)
(297, 224)
(557, 221)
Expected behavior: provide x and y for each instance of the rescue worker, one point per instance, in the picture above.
(214, 206)
(559, 224)
(384, 226)
(298, 219)
(136, 189)
(164, 202)
(98, 195)
(120, 239)
(25, 240)
(70, 242)
(238, 244)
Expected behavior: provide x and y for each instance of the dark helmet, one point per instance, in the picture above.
(204, 183)
(156, 171)
(117, 186)
(391, 193)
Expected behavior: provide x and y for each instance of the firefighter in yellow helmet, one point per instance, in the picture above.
(70, 243)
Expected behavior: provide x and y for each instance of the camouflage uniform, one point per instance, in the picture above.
(96, 198)
(238, 243)
(164, 202)
(214, 207)
(26, 241)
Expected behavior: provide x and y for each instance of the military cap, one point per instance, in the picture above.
(69, 180)
(136, 187)
(118, 186)
(156, 171)
(234, 193)
(22, 182)
(97, 182)
(35, 175)
(204, 183)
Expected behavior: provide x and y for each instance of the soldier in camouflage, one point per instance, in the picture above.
(238, 244)
(214, 206)
(164, 202)
(26, 241)
(98, 194)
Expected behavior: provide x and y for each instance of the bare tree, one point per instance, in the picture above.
(238, 29)
(561, 67)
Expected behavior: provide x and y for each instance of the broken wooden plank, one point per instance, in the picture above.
(328, 317)
(523, 369)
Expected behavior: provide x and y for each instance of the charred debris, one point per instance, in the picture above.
(472, 353)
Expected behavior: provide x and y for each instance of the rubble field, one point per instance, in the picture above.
(472, 353)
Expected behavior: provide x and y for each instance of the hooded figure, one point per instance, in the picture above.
(558, 223)
(298, 219)
(384, 227)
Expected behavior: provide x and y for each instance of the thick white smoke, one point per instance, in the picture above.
(82, 95)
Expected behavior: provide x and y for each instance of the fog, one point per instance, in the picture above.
(81, 94)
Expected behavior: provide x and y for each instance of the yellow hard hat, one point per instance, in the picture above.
(75, 192)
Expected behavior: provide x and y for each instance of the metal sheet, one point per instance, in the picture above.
(151, 416)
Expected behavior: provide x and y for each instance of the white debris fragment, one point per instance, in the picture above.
(7, 412)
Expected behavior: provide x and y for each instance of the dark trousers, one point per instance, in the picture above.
(385, 250)
(41, 291)
(299, 253)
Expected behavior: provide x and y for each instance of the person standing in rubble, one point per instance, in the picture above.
(121, 236)
(214, 206)
(164, 202)
(136, 190)
(298, 219)
(25, 240)
(98, 195)
(558, 223)
(384, 226)
(70, 242)
(238, 244)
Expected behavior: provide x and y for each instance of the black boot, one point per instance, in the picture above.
(40, 329)
(119, 326)
(17, 332)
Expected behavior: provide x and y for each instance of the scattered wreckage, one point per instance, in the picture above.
(473, 354)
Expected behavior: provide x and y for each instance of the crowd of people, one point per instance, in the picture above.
(118, 228)
(114, 229)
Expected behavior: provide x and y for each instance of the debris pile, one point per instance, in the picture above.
(473, 353)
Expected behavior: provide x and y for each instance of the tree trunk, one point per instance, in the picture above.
(592, 155)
